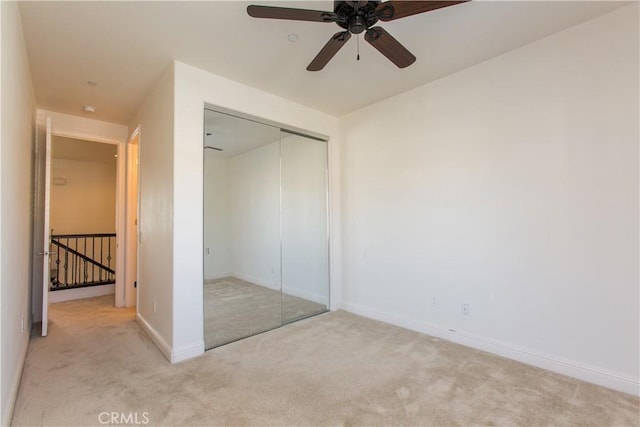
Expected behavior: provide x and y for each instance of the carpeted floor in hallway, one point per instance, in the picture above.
(330, 370)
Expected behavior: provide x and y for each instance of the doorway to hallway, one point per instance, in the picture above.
(82, 219)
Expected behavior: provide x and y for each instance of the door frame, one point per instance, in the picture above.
(132, 218)
(64, 125)
(46, 223)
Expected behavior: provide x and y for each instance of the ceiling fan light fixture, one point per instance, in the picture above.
(355, 17)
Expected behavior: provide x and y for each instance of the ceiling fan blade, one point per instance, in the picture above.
(357, 3)
(329, 50)
(289, 13)
(395, 9)
(389, 47)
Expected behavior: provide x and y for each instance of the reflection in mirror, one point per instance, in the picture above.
(241, 226)
(305, 263)
(265, 228)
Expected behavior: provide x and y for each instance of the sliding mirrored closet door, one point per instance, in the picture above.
(304, 228)
(265, 228)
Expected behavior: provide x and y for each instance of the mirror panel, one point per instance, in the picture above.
(266, 258)
(242, 229)
(304, 228)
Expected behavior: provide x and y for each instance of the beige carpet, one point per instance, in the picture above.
(329, 370)
(235, 309)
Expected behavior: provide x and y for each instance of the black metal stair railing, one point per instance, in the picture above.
(82, 260)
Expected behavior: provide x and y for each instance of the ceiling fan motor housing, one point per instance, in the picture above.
(356, 19)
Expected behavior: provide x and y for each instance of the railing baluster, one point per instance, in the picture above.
(70, 268)
(85, 262)
(57, 267)
(100, 271)
(109, 256)
(75, 263)
(66, 264)
(76, 270)
(93, 255)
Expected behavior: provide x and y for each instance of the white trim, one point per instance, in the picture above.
(531, 357)
(172, 355)
(131, 219)
(309, 296)
(219, 276)
(81, 293)
(162, 345)
(257, 281)
(5, 414)
(135, 133)
(121, 224)
(77, 127)
(15, 385)
(46, 260)
(334, 222)
(187, 352)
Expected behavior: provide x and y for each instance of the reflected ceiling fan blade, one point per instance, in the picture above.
(389, 47)
(396, 9)
(329, 50)
(292, 14)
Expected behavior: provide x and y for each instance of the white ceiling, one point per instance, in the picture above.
(234, 135)
(126, 46)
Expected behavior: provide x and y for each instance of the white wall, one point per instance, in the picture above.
(511, 186)
(156, 184)
(86, 203)
(194, 88)
(218, 262)
(80, 293)
(16, 192)
(255, 215)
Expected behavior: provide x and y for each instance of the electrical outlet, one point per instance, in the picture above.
(22, 325)
(466, 309)
(435, 302)
(154, 306)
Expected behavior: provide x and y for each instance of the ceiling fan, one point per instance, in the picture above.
(357, 16)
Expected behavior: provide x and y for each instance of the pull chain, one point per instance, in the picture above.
(357, 36)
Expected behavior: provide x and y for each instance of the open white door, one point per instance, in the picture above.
(47, 231)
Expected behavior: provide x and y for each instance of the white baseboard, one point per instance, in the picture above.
(162, 345)
(173, 355)
(80, 293)
(304, 294)
(218, 276)
(531, 357)
(187, 352)
(257, 281)
(7, 414)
